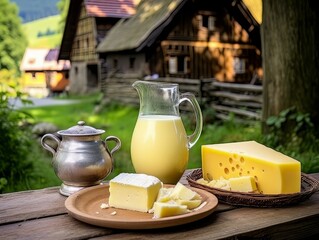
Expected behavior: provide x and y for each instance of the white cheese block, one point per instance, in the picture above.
(133, 191)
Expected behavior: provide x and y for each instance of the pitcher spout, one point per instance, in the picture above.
(138, 85)
(157, 98)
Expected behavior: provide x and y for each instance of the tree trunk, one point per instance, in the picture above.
(290, 36)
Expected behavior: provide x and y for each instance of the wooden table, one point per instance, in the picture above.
(41, 214)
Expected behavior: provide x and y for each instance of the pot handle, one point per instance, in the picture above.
(47, 146)
(117, 146)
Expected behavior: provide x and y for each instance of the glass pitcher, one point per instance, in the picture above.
(160, 145)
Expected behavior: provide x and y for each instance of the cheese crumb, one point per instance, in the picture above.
(104, 206)
(113, 213)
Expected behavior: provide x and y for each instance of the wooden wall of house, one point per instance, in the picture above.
(129, 63)
(84, 44)
(211, 44)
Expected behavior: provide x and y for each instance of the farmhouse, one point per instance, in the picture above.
(87, 23)
(165, 38)
(43, 73)
(184, 39)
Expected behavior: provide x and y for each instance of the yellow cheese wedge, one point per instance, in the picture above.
(274, 172)
(132, 191)
(168, 209)
(243, 184)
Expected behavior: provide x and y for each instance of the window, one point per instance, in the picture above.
(132, 62)
(85, 43)
(239, 65)
(207, 22)
(211, 23)
(172, 65)
(115, 63)
(179, 64)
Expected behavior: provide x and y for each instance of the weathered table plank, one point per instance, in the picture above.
(21, 206)
(54, 227)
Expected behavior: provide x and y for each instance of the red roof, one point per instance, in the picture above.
(110, 8)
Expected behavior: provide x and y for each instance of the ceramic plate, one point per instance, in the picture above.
(85, 206)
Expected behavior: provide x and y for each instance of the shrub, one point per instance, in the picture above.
(292, 130)
(15, 140)
(294, 134)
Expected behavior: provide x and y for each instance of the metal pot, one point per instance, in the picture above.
(81, 159)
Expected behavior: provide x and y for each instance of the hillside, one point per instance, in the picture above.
(30, 10)
(42, 33)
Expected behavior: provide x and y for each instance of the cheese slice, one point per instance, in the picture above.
(164, 195)
(274, 172)
(182, 192)
(243, 184)
(190, 204)
(132, 191)
(168, 209)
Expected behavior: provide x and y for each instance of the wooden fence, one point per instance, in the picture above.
(243, 102)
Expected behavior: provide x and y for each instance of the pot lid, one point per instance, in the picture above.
(81, 130)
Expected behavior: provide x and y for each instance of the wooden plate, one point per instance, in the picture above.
(85, 206)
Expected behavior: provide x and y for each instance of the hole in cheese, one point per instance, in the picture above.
(256, 178)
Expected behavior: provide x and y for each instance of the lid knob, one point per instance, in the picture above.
(81, 123)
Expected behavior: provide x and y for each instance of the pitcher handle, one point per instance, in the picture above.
(47, 146)
(193, 138)
(118, 143)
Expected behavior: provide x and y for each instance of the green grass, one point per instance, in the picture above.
(40, 26)
(119, 120)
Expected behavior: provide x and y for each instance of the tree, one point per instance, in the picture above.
(12, 39)
(290, 37)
